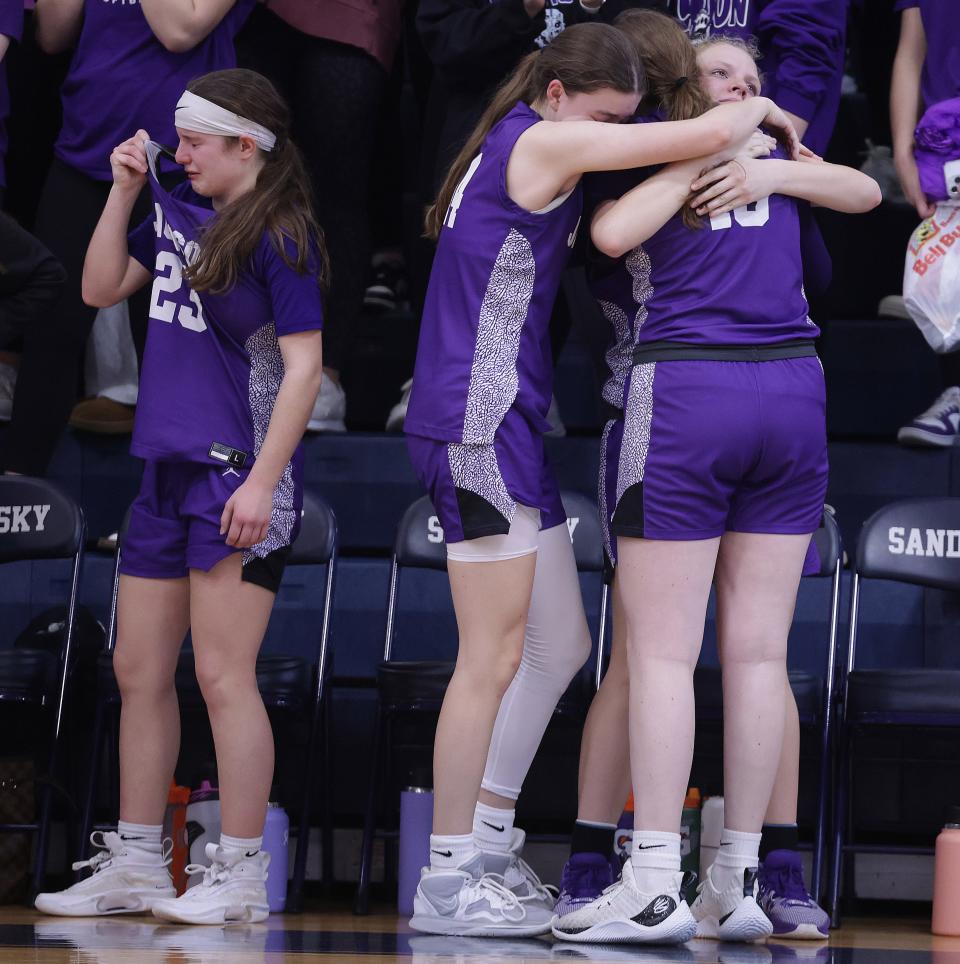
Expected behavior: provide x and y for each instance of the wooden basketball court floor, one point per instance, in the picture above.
(322, 935)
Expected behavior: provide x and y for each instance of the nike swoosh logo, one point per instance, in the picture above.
(494, 826)
(653, 846)
(442, 853)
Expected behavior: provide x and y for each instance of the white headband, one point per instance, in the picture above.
(195, 113)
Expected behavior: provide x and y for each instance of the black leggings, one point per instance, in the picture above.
(334, 91)
(53, 349)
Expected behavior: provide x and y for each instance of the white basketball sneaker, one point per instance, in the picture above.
(233, 889)
(466, 902)
(624, 914)
(518, 876)
(732, 914)
(125, 880)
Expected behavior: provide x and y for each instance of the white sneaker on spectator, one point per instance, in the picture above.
(329, 409)
(125, 880)
(399, 411)
(938, 426)
(732, 914)
(234, 888)
(8, 382)
(893, 306)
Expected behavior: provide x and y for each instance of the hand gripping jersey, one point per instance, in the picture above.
(484, 349)
(737, 280)
(212, 365)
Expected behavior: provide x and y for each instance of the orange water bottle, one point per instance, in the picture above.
(175, 827)
(623, 837)
(946, 878)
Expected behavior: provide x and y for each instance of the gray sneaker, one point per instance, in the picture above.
(469, 903)
(518, 876)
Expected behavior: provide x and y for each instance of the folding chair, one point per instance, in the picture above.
(39, 521)
(287, 683)
(914, 541)
(407, 686)
(814, 694)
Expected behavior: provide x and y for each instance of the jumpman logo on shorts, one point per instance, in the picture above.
(230, 471)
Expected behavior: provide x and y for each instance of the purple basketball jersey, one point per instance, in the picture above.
(484, 348)
(212, 365)
(737, 280)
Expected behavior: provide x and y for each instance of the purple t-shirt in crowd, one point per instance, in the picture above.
(737, 280)
(122, 79)
(803, 47)
(212, 365)
(484, 344)
(940, 79)
(11, 25)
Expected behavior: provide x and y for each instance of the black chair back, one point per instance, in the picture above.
(583, 523)
(915, 541)
(828, 544)
(316, 543)
(37, 520)
(420, 542)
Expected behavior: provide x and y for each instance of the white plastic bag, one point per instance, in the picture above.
(931, 278)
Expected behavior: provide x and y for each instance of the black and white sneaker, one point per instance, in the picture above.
(623, 914)
(732, 914)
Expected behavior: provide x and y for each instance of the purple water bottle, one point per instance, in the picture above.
(276, 838)
(416, 821)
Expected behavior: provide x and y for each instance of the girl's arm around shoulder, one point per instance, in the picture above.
(562, 150)
(619, 226)
(746, 180)
(181, 24)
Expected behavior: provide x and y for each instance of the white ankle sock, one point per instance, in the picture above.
(449, 851)
(142, 836)
(737, 852)
(248, 846)
(655, 857)
(493, 828)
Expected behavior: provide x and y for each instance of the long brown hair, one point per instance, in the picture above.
(584, 58)
(670, 62)
(279, 204)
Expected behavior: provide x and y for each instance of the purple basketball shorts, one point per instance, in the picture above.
(174, 523)
(707, 447)
(476, 488)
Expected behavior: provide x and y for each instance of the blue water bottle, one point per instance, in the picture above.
(276, 840)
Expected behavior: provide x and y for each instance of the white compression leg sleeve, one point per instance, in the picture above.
(555, 646)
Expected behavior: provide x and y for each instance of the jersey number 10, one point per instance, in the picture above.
(748, 216)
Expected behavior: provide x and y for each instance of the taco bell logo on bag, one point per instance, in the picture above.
(937, 237)
(939, 543)
(22, 518)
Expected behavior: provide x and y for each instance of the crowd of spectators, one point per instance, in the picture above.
(383, 94)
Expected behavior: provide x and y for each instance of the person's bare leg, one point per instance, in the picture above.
(663, 587)
(604, 777)
(229, 618)
(492, 600)
(782, 808)
(153, 616)
(757, 580)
